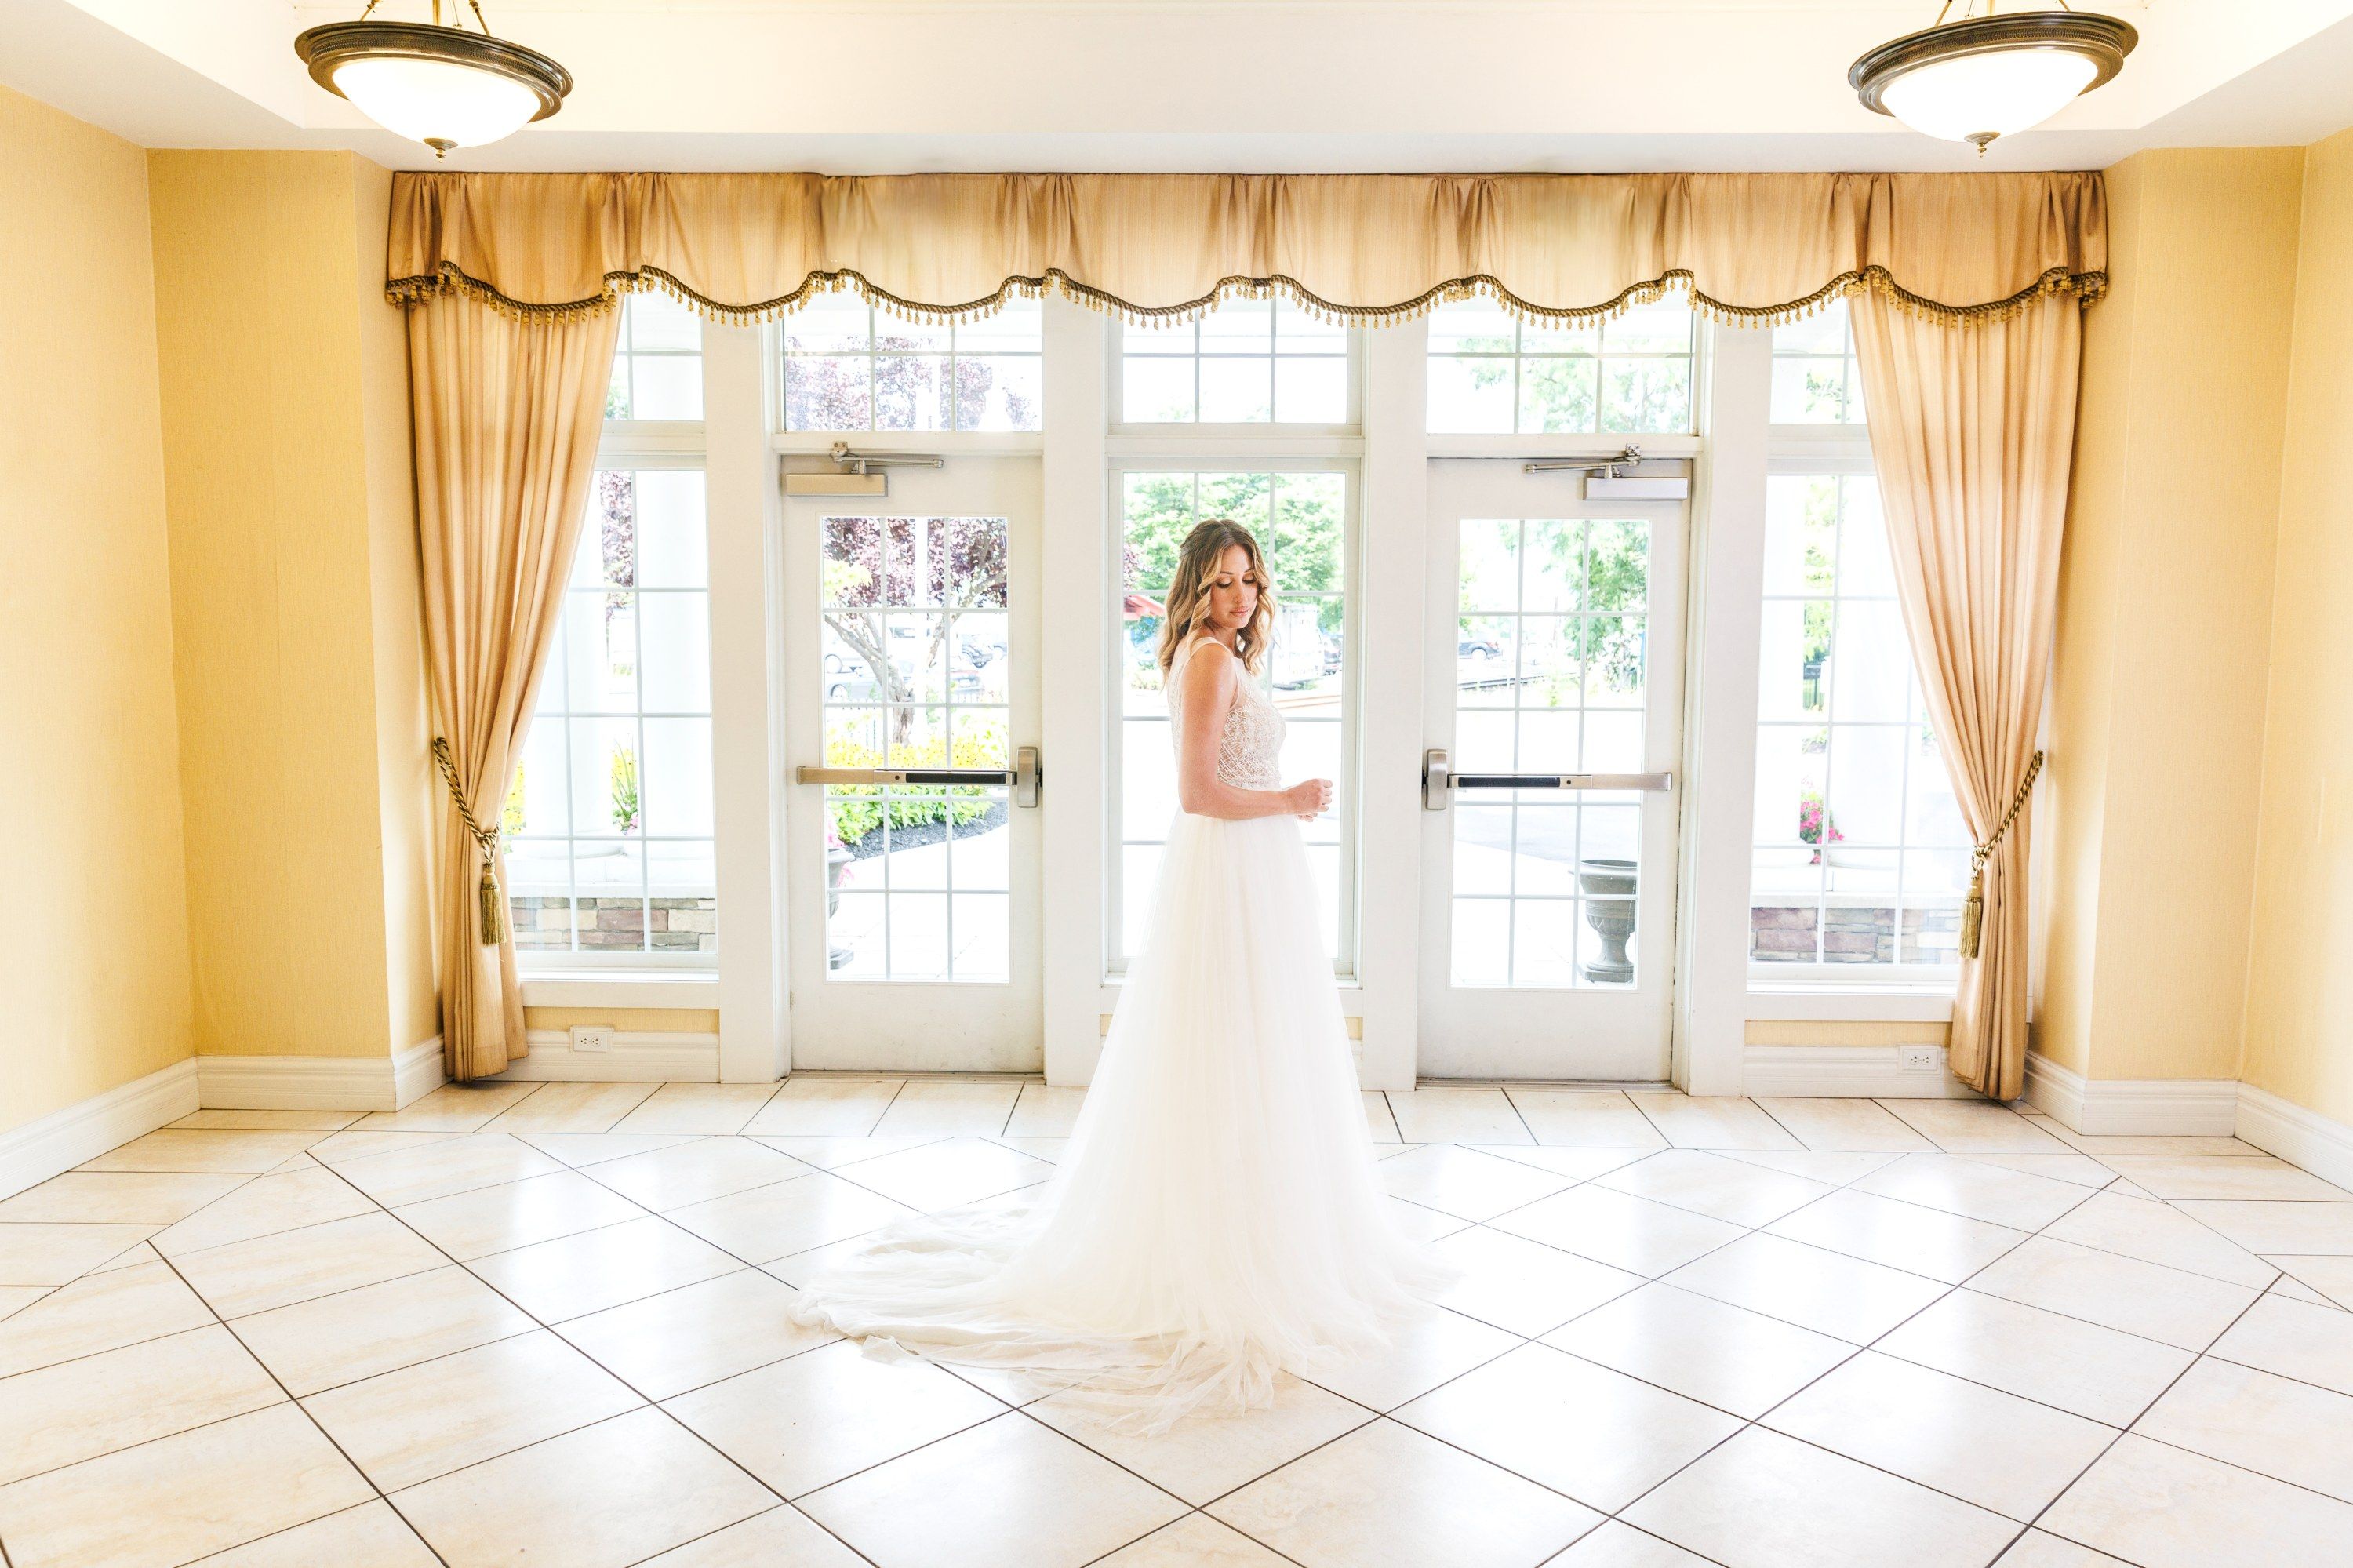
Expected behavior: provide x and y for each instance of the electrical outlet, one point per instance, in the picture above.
(1919, 1058)
(592, 1037)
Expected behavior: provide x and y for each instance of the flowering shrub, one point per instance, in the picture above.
(1815, 825)
(856, 809)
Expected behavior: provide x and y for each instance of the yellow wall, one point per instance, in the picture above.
(293, 604)
(2161, 662)
(93, 933)
(2299, 1007)
(1845, 1032)
(647, 1020)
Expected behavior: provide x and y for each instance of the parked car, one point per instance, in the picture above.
(1478, 661)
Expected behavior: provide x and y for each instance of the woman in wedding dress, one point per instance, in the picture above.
(1215, 1219)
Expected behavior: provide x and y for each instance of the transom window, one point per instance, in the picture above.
(1860, 851)
(657, 362)
(610, 837)
(849, 365)
(1491, 374)
(1301, 519)
(1248, 362)
(1816, 377)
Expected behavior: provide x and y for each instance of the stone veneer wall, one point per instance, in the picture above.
(618, 924)
(1855, 933)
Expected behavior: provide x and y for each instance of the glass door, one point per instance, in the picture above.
(915, 783)
(1554, 697)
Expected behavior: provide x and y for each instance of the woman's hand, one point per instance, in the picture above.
(1310, 800)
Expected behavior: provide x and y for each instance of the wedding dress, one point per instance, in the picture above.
(1215, 1218)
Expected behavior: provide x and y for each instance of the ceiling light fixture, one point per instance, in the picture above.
(441, 86)
(1990, 76)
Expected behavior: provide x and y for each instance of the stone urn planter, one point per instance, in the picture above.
(836, 860)
(1613, 921)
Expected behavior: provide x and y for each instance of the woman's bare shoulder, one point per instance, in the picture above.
(1208, 668)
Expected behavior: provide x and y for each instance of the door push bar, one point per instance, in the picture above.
(1026, 777)
(1438, 780)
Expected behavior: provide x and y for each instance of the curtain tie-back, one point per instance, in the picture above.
(1973, 907)
(493, 906)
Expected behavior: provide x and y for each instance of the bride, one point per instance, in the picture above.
(1215, 1219)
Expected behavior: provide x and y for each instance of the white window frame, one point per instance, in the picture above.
(1843, 451)
(1228, 434)
(741, 511)
(1205, 461)
(772, 357)
(1511, 442)
(645, 445)
(620, 454)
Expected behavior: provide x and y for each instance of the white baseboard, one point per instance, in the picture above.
(2195, 1107)
(636, 1057)
(2300, 1137)
(416, 1072)
(1847, 1072)
(62, 1139)
(320, 1083)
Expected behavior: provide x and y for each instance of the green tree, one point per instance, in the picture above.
(1299, 519)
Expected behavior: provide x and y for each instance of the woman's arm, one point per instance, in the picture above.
(1210, 678)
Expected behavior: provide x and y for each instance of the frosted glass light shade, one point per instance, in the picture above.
(441, 86)
(440, 103)
(1992, 76)
(1988, 95)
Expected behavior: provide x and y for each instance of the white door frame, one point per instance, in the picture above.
(1598, 1034)
(747, 712)
(1719, 825)
(917, 1025)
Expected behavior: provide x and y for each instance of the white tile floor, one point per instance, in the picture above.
(518, 1324)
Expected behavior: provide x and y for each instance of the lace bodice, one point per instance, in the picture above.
(1250, 751)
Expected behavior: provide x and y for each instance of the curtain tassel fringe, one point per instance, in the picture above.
(486, 840)
(1972, 933)
(1973, 913)
(494, 906)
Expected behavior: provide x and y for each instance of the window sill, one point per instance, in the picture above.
(609, 988)
(1892, 1004)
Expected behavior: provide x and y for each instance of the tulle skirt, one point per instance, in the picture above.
(1215, 1218)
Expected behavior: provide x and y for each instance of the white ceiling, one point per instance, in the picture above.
(873, 85)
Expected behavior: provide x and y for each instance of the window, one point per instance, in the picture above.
(916, 672)
(1248, 362)
(849, 366)
(1552, 666)
(608, 824)
(1302, 518)
(1815, 380)
(1860, 852)
(658, 361)
(1490, 374)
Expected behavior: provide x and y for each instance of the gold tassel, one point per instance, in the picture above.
(1973, 912)
(1972, 935)
(494, 924)
(493, 907)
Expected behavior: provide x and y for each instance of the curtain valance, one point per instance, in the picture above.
(1366, 248)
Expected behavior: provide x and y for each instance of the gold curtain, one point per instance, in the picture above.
(507, 414)
(1365, 248)
(1972, 433)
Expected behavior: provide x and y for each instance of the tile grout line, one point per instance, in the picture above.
(1523, 1341)
(2109, 1446)
(1749, 1422)
(549, 1328)
(315, 1424)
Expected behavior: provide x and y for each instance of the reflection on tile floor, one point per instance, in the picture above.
(547, 1324)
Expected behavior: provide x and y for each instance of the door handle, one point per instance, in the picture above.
(1438, 780)
(1026, 778)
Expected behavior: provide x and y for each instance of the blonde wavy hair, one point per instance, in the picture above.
(1188, 591)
